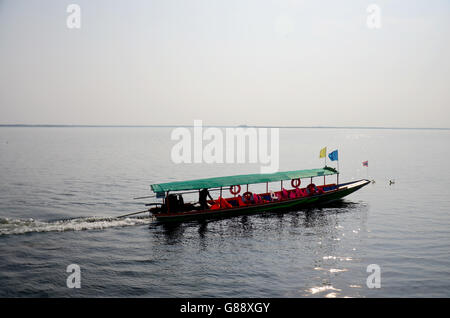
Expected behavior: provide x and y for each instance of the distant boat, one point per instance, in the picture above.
(173, 207)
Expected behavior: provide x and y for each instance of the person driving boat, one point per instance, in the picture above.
(203, 199)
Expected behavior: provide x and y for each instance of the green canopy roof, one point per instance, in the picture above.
(240, 179)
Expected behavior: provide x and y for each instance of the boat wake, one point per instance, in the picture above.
(21, 226)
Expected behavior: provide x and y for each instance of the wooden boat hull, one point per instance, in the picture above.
(282, 205)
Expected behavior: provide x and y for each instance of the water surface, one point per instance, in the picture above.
(61, 187)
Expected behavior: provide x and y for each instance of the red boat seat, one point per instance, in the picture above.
(225, 203)
(221, 203)
(240, 201)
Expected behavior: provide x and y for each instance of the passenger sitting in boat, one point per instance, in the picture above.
(175, 203)
(248, 198)
(203, 198)
(311, 189)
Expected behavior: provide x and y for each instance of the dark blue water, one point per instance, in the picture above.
(60, 188)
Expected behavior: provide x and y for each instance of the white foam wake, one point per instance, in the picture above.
(21, 226)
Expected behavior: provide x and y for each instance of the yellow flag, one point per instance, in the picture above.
(323, 152)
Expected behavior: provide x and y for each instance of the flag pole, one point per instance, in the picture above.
(325, 157)
(338, 171)
(366, 164)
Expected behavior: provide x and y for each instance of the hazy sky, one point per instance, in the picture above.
(226, 62)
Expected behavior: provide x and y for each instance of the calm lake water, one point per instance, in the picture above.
(59, 188)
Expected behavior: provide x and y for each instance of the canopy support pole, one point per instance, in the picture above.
(167, 202)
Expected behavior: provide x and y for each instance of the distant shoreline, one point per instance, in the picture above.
(222, 126)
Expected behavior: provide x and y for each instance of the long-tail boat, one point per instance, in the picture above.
(173, 207)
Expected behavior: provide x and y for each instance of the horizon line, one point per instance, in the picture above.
(222, 126)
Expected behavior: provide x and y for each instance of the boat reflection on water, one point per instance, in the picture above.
(316, 216)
